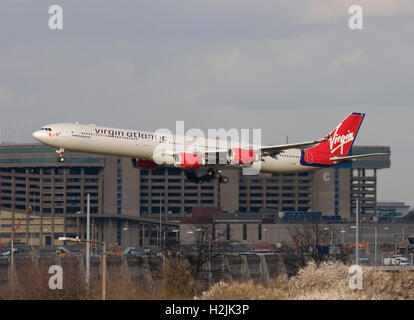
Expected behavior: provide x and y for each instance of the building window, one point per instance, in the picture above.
(119, 233)
(174, 209)
(244, 231)
(158, 172)
(174, 171)
(228, 232)
(259, 232)
(119, 187)
(336, 192)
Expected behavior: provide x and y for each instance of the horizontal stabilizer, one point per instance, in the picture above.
(356, 157)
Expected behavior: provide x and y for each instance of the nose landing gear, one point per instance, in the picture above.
(60, 153)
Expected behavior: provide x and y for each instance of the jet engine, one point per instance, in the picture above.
(241, 156)
(188, 160)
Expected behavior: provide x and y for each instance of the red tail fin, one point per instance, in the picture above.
(339, 143)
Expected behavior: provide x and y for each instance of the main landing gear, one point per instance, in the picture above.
(212, 174)
(60, 153)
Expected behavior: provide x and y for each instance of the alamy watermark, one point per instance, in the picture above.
(355, 22)
(56, 280)
(220, 148)
(356, 279)
(56, 18)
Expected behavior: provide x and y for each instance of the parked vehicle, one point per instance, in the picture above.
(133, 251)
(396, 260)
(62, 252)
(8, 253)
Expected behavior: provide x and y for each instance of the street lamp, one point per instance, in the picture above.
(209, 255)
(356, 242)
(342, 235)
(103, 260)
(160, 231)
(376, 246)
(385, 229)
(330, 236)
(176, 231)
(78, 213)
(125, 228)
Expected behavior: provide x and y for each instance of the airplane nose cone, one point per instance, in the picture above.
(37, 135)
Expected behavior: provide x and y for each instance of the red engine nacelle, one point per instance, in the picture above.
(144, 164)
(241, 156)
(188, 160)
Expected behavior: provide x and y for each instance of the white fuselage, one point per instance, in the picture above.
(141, 145)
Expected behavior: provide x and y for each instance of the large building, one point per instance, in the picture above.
(125, 202)
(33, 183)
(392, 210)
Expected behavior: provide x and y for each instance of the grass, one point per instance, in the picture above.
(329, 281)
(32, 283)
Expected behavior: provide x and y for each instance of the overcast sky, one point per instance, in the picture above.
(291, 68)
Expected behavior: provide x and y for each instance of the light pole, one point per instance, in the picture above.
(209, 253)
(160, 233)
(78, 213)
(342, 236)
(209, 263)
(88, 244)
(125, 228)
(330, 234)
(103, 270)
(177, 243)
(376, 247)
(103, 260)
(356, 243)
(12, 261)
(357, 232)
(385, 228)
(34, 213)
(405, 241)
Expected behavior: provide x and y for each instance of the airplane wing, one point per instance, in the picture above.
(356, 157)
(265, 150)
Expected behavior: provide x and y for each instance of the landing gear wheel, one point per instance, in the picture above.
(60, 153)
(224, 179)
(217, 174)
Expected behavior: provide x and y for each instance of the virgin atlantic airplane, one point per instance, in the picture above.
(178, 151)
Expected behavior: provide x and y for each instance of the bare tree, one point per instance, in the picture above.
(312, 241)
(205, 249)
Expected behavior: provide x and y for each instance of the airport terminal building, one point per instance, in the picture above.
(44, 200)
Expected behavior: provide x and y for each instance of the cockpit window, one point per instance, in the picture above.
(47, 129)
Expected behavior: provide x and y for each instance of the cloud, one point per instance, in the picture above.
(322, 11)
(5, 97)
(347, 58)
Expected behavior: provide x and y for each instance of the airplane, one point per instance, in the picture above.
(197, 155)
